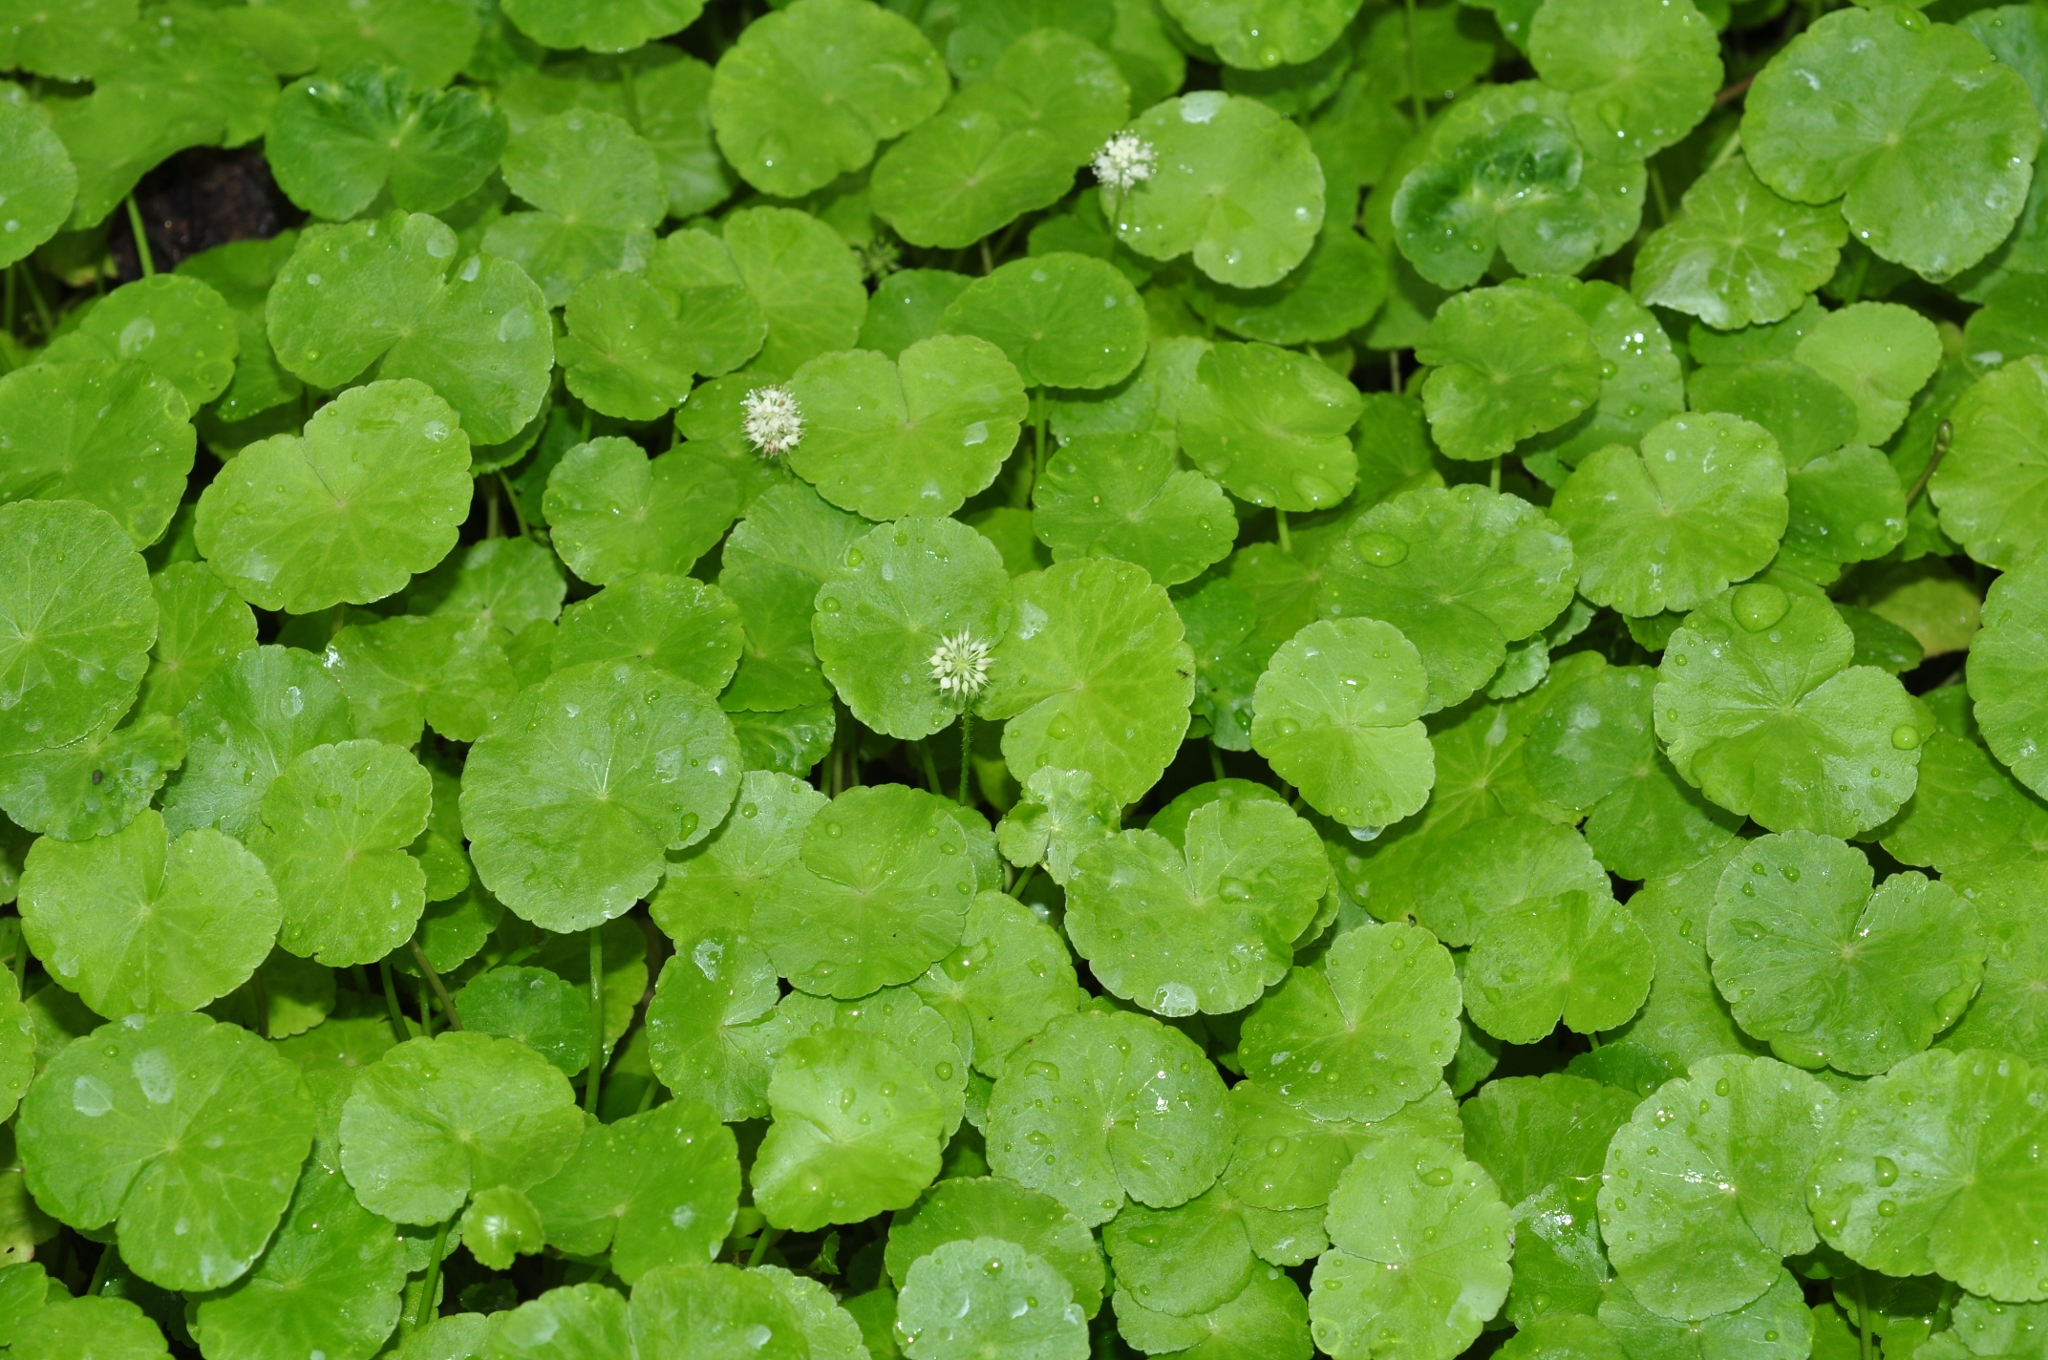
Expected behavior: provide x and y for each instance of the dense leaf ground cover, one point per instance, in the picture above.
(1023, 678)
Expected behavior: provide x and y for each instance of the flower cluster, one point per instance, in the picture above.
(1125, 160)
(960, 665)
(775, 423)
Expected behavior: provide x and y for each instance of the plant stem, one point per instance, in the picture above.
(110, 1256)
(1017, 888)
(512, 499)
(262, 1004)
(966, 753)
(1280, 520)
(931, 769)
(1215, 761)
(1394, 369)
(762, 1241)
(35, 297)
(1658, 194)
(423, 1312)
(141, 239)
(1862, 1318)
(426, 1011)
(494, 521)
(593, 1080)
(1493, 476)
(1942, 438)
(427, 971)
(400, 1030)
(1414, 69)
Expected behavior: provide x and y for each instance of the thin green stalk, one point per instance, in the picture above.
(1658, 194)
(426, 1011)
(261, 1000)
(35, 298)
(110, 1256)
(593, 1082)
(1280, 519)
(141, 239)
(512, 499)
(1023, 881)
(1414, 69)
(21, 965)
(966, 753)
(423, 1311)
(1493, 476)
(1942, 438)
(427, 971)
(400, 1030)
(931, 769)
(494, 521)
(1215, 761)
(647, 1094)
(763, 1240)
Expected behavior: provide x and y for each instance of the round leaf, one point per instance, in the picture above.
(1093, 676)
(335, 143)
(134, 922)
(1205, 926)
(1113, 495)
(37, 186)
(1737, 254)
(893, 601)
(1339, 715)
(1237, 186)
(96, 785)
(1919, 131)
(917, 436)
(371, 493)
(1827, 971)
(574, 794)
(985, 1296)
(805, 95)
(1925, 1165)
(1641, 73)
(1508, 363)
(1064, 320)
(705, 1033)
(1364, 1034)
(676, 623)
(435, 1119)
(193, 1170)
(247, 722)
(614, 511)
(1705, 1188)
(1989, 485)
(1011, 975)
(1759, 708)
(171, 324)
(1271, 425)
(1702, 505)
(1260, 34)
(76, 621)
(601, 25)
(2007, 661)
(958, 1210)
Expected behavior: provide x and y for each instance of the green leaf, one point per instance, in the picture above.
(1335, 291)
(136, 922)
(1760, 709)
(1737, 254)
(1846, 506)
(111, 1327)
(1774, 1326)
(248, 721)
(215, 1154)
(920, 1037)
(771, 566)
(621, 356)
(1204, 926)
(1366, 1033)
(1640, 383)
(1122, 496)
(805, 277)
(1499, 867)
(1807, 414)
(1271, 425)
(432, 38)
(1409, 1202)
(1093, 676)
(336, 824)
(1260, 34)
(434, 1119)
(2006, 1013)
(407, 671)
(1104, 1095)
(574, 794)
(1064, 320)
(676, 623)
(509, 582)
(1641, 73)
(614, 511)
(1880, 353)
(917, 436)
(961, 1210)
(1507, 363)
(38, 184)
(97, 784)
(1505, 174)
(330, 1280)
(986, 1296)
(1058, 814)
(1701, 506)
(349, 293)
(172, 325)
(899, 596)
(603, 26)
(1189, 1259)
(335, 143)
(1918, 130)
(857, 1130)
(1011, 976)
(1237, 186)
(371, 493)
(1942, 1139)
(655, 1189)
(201, 624)
(1576, 956)
(1268, 1318)
(1986, 487)
(1532, 1133)
(1705, 1189)
(1005, 145)
(716, 883)
(1339, 711)
(879, 891)
(1462, 572)
(805, 95)
(533, 1006)
(1966, 810)
(704, 1022)
(76, 603)
(1829, 972)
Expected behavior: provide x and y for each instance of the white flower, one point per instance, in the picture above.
(775, 423)
(960, 665)
(1124, 160)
